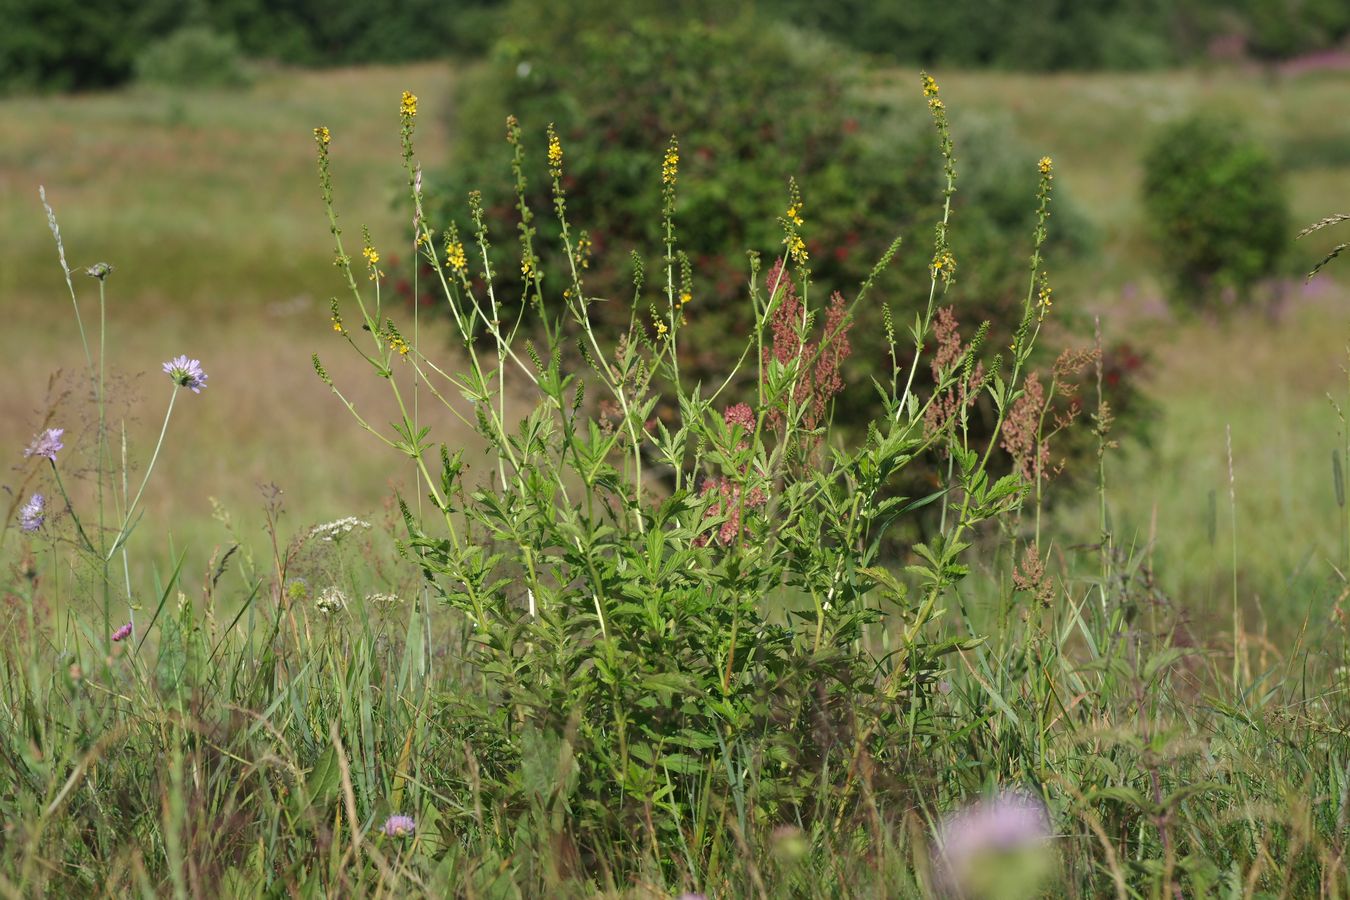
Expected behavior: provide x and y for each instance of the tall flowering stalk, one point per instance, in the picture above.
(624, 567)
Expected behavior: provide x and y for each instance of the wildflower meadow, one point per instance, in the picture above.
(645, 616)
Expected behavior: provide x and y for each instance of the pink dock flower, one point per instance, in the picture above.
(186, 373)
(122, 633)
(399, 826)
(47, 444)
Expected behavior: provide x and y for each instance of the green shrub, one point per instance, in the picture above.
(1215, 200)
(193, 56)
(754, 103)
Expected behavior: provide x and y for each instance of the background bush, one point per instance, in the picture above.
(1214, 197)
(194, 56)
(754, 103)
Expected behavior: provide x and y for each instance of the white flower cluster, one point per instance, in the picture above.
(379, 599)
(332, 531)
(331, 601)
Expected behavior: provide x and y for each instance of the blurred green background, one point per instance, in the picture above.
(174, 142)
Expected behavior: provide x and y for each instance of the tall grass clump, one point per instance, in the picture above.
(630, 655)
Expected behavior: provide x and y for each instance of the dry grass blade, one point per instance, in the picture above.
(1324, 223)
(1336, 251)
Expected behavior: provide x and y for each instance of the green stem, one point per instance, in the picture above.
(131, 510)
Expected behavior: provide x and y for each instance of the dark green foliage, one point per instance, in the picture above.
(1013, 34)
(1216, 202)
(69, 44)
(193, 56)
(1278, 29)
(317, 33)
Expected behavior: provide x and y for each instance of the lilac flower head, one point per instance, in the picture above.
(186, 373)
(122, 633)
(1011, 822)
(399, 826)
(32, 514)
(46, 444)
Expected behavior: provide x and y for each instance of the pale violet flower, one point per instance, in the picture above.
(47, 444)
(32, 514)
(399, 826)
(186, 373)
(122, 633)
(1003, 838)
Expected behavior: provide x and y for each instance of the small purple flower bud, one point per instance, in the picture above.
(399, 826)
(122, 633)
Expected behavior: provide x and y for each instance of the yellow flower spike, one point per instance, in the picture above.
(322, 137)
(408, 106)
(1046, 165)
(661, 328)
(555, 153)
(454, 255)
(670, 166)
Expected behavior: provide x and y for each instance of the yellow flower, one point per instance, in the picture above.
(555, 153)
(396, 342)
(372, 257)
(944, 264)
(661, 328)
(794, 214)
(685, 297)
(1046, 165)
(935, 104)
(322, 137)
(454, 256)
(408, 107)
(930, 87)
(796, 248)
(670, 166)
(527, 268)
(582, 254)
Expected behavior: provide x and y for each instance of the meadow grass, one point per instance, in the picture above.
(573, 688)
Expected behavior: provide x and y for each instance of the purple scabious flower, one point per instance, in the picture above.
(1010, 822)
(32, 514)
(46, 444)
(186, 373)
(399, 826)
(122, 633)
